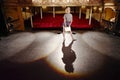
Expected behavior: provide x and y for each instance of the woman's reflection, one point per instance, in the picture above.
(68, 57)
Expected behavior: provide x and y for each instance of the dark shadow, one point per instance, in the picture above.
(68, 57)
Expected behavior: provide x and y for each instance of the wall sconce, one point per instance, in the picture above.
(100, 9)
(68, 1)
(87, 0)
(53, 1)
(27, 8)
(64, 7)
(37, 1)
(44, 7)
(83, 7)
(94, 8)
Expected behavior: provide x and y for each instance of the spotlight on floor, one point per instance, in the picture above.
(87, 62)
(42, 46)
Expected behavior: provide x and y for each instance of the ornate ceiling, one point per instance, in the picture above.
(58, 2)
(66, 2)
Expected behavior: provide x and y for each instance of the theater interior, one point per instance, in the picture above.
(32, 45)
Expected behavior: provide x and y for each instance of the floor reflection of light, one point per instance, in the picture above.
(106, 44)
(15, 43)
(55, 59)
(87, 60)
(44, 44)
(89, 49)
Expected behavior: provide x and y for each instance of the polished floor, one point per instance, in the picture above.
(43, 55)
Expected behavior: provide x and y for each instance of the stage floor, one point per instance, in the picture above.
(43, 55)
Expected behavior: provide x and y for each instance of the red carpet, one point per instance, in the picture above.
(55, 23)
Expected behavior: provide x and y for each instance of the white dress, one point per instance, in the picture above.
(67, 29)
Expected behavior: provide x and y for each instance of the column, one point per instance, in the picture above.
(54, 12)
(90, 16)
(80, 13)
(31, 21)
(41, 15)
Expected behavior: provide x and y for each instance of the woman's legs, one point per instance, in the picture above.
(71, 35)
(63, 33)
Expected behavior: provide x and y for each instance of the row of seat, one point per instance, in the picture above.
(48, 21)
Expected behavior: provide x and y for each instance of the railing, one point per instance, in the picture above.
(108, 25)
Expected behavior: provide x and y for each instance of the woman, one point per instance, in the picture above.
(68, 18)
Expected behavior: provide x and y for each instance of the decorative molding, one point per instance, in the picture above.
(66, 2)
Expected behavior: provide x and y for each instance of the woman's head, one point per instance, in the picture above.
(67, 10)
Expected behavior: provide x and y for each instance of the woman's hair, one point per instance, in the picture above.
(67, 10)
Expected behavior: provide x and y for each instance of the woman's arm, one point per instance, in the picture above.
(71, 20)
(64, 20)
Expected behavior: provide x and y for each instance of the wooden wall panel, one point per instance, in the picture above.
(25, 1)
(10, 3)
(16, 14)
(17, 2)
(109, 13)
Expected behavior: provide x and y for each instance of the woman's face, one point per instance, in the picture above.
(67, 10)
